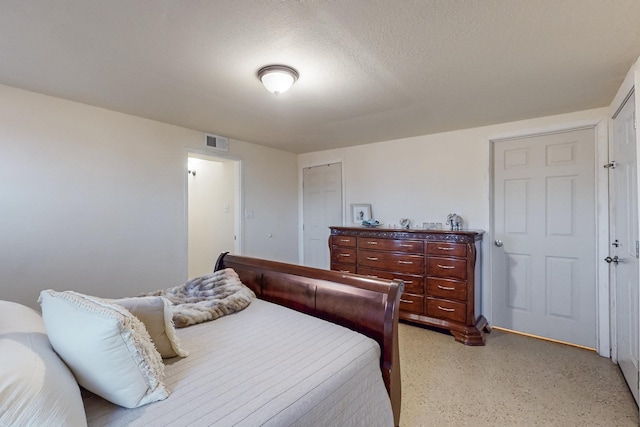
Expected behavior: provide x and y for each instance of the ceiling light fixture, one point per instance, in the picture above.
(277, 78)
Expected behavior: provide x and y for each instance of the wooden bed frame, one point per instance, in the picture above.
(366, 305)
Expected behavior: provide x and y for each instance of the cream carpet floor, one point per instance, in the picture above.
(512, 381)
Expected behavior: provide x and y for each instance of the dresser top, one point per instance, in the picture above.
(402, 233)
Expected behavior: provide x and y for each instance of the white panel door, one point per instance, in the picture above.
(322, 208)
(544, 226)
(624, 241)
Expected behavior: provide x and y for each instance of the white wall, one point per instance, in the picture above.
(269, 181)
(427, 177)
(95, 201)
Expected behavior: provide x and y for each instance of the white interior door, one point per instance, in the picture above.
(624, 241)
(544, 230)
(322, 208)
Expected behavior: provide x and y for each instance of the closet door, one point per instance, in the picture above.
(322, 208)
(623, 259)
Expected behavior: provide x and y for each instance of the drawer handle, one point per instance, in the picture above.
(345, 271)
(406, 301)
(408, 282)
(445, 249)
(345, 254)
(446, 309)
(372, 258)
(405, 262)
(446, 288)
(345, 240)
(448, 267)
(406, 246)
(372, 243)
(372, 276)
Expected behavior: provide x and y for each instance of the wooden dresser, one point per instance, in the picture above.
(440, 270)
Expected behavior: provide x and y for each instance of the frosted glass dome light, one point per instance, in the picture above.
(277, 79)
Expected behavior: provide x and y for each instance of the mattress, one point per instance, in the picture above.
(264, 366)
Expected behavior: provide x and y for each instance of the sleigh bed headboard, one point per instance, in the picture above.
(366, 305)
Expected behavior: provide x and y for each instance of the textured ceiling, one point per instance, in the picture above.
(370, 70)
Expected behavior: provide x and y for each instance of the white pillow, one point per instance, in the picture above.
(155, 313)
(36, 387)
(107, 348)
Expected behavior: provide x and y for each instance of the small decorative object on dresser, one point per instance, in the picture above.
(360, 212)
(454, 221)
(405, 222)
(442, 280)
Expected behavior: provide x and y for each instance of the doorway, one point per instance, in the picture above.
(213, 207)
(544, 226)
(321, 208)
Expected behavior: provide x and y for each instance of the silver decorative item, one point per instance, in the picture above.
(454, 221)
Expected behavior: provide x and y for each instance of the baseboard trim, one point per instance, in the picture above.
(543, 338)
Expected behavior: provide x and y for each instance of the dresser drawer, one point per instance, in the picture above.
(412, 303)
(393, 262)
(443, 309)
(342, 255)
(447, 288)
(447, 267)
(348, 241)
(407, 246)
(412, 284)
(447, 249)
(343, 268)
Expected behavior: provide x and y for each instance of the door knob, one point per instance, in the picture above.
(614, 260)
(498, 243)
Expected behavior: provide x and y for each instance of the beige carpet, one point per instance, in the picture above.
(512, 381)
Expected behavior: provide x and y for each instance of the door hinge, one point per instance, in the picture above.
(634, 120)
(610, 165)
(637, 249)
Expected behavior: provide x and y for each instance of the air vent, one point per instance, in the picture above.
(218, 142)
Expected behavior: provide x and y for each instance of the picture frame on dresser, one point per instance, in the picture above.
(360, 212)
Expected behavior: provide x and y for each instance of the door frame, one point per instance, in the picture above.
(601, 129)
(238, 196)
(301, 168)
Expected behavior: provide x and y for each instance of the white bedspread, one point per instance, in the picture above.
(264, 366)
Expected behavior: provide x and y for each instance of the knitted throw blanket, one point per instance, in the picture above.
(207, 297)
